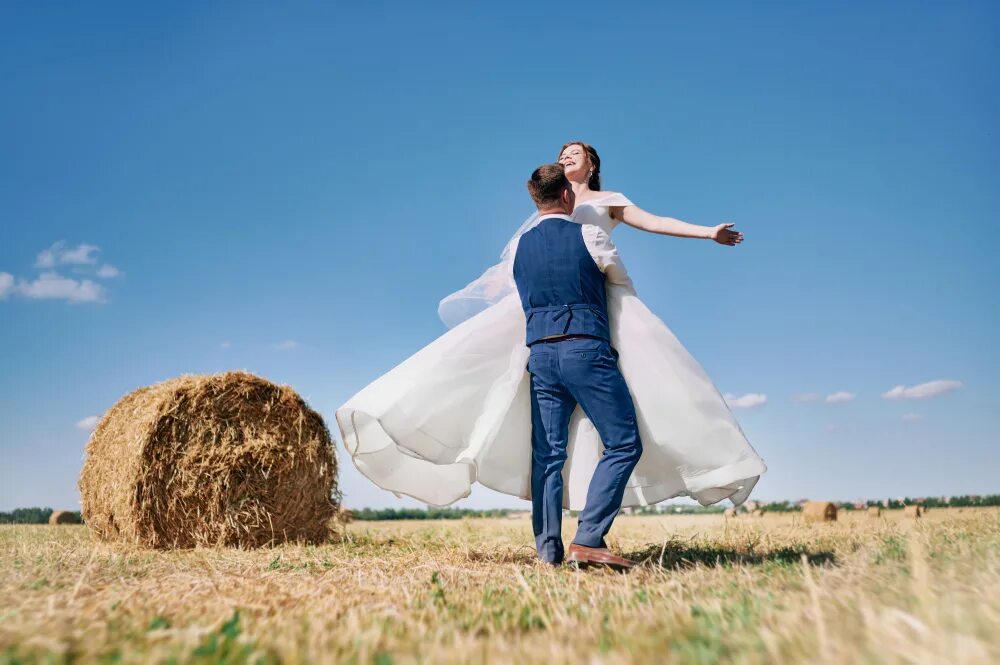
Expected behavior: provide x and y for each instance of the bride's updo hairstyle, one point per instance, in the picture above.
(595, 161)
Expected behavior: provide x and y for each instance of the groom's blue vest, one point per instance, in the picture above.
(561, 288)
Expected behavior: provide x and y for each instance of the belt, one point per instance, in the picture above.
(560, 338)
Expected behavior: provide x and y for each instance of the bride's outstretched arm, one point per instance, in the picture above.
(635, 216)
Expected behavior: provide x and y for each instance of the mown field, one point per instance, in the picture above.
(744, 590)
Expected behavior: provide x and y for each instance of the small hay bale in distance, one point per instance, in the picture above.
(912, 511)
(874, 511)
(216, 460)
(63, 517)
(819, 511)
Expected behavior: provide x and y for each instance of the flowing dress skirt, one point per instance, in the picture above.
(459, 412)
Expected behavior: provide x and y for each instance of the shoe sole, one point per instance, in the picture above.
(584, 564)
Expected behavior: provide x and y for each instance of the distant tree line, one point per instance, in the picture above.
(30, 516)
(677, 510)
(781, 507)
(376, 514)
(773, 507)
(41, 515)
(964, 501)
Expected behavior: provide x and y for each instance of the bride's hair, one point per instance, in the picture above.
(595, 178)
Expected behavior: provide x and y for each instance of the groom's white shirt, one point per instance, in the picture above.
(601, 249)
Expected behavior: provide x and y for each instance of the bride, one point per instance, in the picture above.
(459, 412)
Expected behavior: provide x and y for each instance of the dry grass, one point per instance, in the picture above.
(771, 590)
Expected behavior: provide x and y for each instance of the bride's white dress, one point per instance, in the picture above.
(459, 412)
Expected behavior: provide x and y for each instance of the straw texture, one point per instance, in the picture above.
(217, 460)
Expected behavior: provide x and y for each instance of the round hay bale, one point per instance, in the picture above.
(217, 460)
(63, 517)
(912, 511)
(819, 511)
(874, 511)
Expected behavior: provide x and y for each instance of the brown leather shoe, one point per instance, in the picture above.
(596, 555)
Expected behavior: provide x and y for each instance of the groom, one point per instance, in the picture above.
(560, 269)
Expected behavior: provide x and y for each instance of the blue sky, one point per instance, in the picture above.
(290, 189)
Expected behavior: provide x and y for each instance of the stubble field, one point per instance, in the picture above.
(745, 590)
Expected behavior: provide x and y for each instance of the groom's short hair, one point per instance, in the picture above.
(547, 183)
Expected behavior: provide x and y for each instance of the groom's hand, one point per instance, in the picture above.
(723, 235)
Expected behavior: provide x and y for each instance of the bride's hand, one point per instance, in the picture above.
(723, 235)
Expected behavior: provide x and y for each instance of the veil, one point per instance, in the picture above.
(490, 288)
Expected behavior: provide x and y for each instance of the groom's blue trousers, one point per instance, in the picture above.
(565, 373)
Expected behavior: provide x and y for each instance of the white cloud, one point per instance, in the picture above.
(287, 345)
(923, 390)
(82, 255)
(59, 254)
(46, 258)
(6, 284)
(88, 424)
(53, 286)
(747, 401)
(805, 397)
(108, 271)
(842, 396)
(907, 417)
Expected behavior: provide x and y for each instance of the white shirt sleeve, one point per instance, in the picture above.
(605, 255)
